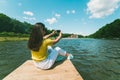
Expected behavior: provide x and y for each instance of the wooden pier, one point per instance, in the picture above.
(61, 71)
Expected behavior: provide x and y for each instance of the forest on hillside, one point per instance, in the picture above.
(13, 27)
(8, 24)
(109, 31)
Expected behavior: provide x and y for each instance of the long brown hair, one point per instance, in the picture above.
(36, 37)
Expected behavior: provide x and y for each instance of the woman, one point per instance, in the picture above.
(42, 53)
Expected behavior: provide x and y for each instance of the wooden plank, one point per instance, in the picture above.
(61, 71)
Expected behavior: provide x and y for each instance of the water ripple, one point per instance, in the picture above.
(95, 59)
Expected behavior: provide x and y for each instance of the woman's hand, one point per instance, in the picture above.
(58, 38)
(60, 33)
(49, 35)
(53, 32)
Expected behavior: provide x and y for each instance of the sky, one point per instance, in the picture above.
(82, 17)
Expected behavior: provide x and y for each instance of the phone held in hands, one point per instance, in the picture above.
(58, 31)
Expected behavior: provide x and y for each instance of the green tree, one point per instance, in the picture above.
(111, 30)
(5, 25)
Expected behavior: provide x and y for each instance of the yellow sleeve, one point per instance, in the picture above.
(49, 42)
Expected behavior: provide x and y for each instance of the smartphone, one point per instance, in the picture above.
(58, 31)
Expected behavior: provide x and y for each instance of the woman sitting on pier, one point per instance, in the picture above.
(43, 54)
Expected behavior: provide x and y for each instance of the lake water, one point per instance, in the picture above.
(95, 59)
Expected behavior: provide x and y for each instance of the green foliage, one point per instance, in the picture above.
(80, 36)
(66, 35)
(11, 27)
(12, 34)
(5, 23)
(111, 30)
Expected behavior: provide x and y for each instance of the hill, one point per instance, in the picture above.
(111, 30)
(8, 24)
(12, 27)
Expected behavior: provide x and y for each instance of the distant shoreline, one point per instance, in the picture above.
(21, 38)
(26, 38)
(70, 38)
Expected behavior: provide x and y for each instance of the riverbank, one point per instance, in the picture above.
(13, 38)
(21, 38)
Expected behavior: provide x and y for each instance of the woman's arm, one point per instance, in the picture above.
(49, 35)
(58, 38)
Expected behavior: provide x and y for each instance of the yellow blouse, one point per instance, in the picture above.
(42, 53)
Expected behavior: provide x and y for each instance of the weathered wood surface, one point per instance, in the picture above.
(61, 71)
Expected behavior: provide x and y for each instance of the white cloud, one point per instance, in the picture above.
(102, 8)
(19, 4)
(73, 11)
(51, 20)
(70, 11)
(57, 15)
(28, 13)
(29, 18)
